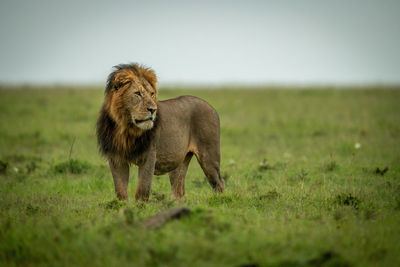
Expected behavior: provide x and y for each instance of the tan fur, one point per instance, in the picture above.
(159, 137)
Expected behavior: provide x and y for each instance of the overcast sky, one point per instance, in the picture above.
(208, 42)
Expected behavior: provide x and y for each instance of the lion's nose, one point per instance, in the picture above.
(152, 110)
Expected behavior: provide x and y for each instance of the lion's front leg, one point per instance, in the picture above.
(146, 172)
(120, 173)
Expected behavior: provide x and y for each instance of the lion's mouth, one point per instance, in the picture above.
(140, 121)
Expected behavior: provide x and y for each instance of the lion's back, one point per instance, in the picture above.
(189, 107)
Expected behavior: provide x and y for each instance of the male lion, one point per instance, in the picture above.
(159, 137)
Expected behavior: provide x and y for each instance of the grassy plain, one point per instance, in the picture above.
(302, 186)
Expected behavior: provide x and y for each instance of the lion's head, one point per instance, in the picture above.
(131, 96)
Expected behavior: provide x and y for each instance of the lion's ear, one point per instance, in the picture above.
(150, 76)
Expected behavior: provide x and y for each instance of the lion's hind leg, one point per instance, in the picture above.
(177, 177)
(210, 162)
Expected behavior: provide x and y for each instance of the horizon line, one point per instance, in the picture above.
(210, 86)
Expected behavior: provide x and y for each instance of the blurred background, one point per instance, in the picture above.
(312, 176)
(202, 42)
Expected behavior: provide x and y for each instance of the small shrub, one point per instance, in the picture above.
(257, 176)
(158, 196)
(331, 166)
(113, 204)
(31, 210)
(31, 167)
(302, 176)
(381, 172)
(72, 166)
(3, 167)
(348, 200)
(264, 166)
(217, 200)
(271, 195)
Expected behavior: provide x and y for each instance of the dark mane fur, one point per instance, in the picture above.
(110, 147)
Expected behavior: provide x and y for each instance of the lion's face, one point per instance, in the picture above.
(133, 97)
(141, 104)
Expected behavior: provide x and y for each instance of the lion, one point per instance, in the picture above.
(134, 128)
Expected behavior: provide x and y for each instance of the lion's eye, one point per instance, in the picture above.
(138, 93)
(121, 84)
(152, 94)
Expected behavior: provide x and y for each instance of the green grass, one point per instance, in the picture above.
(298, 191)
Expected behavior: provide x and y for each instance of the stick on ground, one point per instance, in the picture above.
(161, 218)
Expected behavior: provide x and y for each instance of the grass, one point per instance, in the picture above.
(299, 190)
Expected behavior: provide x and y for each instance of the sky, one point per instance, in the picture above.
(202, 42)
